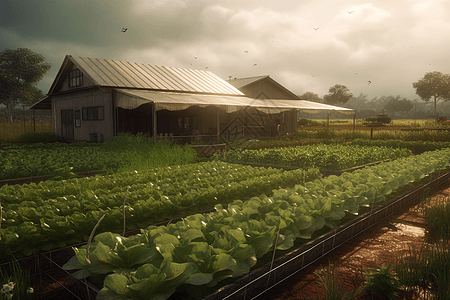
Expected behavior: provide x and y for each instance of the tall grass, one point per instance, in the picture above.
(438, 219)
(10, 132)
(138, 153)
(427, 270)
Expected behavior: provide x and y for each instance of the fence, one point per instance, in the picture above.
(11, 131)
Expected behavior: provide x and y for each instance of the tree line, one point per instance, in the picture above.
(432, 88)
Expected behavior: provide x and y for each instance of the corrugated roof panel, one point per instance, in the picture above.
(142, 73)
(107, 68)
(208, 81)
(241, 82)
(156, 77)
(189, 79)
(90, 70)
(223, 84)
(174, 81)
(122, 74)
(102, 71)
(133, 73)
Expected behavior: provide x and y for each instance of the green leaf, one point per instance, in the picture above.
(117, 283)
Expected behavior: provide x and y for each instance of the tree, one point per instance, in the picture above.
(433, 85)
(20, 71)
(338, 94)
(396, 104)
(310, 96)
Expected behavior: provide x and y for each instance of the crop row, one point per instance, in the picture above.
(411, 145)
(53, 214)
(324, 157)
(203, 249)
(125, 153)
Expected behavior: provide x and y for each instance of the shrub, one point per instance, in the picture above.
(37, 137)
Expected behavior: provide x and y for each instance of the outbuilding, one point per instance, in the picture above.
(96, 99)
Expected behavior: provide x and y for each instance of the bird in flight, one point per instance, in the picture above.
(316, 28)
(124, 29)
(254, 64)
(369, 82)
(246, 51)
(349, 12)
(195, 57)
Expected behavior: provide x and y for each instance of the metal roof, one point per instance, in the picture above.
(241, 82)
(45, 103)
(133, 98)
(118, 74)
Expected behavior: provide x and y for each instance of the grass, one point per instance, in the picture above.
(15, 282)
(137, 153)
(427, 270)
(438, 219)
(10, 132)
(334, 289)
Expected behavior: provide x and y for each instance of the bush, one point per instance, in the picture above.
(37, 137)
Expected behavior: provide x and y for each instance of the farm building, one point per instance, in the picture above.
(96, 99)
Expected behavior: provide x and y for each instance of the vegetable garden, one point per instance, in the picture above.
(190, 227)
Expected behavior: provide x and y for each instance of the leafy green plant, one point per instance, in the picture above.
(324, 157)
(382, 281)
(204, 249)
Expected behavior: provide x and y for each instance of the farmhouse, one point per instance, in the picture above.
(96, 99)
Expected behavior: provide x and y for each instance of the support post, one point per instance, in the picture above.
(328, 120)
(354, 122)
(218, 123)
(154, 123)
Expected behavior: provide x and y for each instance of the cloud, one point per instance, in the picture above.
(390, 43)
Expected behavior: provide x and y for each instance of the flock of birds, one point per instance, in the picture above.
(254, 65)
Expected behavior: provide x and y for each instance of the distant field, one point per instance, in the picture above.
(422, 123)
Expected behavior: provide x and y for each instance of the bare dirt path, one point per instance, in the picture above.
(378, 245)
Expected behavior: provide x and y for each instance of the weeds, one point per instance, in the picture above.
(383, 282)
(334, 290)
(15, 282)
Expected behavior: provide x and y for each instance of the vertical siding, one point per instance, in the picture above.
(77, 101)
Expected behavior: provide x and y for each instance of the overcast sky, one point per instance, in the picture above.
(304, 45)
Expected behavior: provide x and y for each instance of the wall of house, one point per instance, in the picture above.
(266, 89)
(78, 100)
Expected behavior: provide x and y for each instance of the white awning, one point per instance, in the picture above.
(133, 98)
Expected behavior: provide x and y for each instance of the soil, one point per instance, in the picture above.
(377, 246)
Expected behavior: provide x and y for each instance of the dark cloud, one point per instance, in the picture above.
(390, 43)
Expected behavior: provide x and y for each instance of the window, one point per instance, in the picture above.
(77, 118)
(93, 113)
(75, 78)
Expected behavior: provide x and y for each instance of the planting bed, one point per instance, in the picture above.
(291, 275)
(390, 228)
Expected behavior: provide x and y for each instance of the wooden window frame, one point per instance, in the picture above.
(93, 113)
(75, 78)
(77, 117)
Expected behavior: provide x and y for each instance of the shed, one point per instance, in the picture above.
(96, 99)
